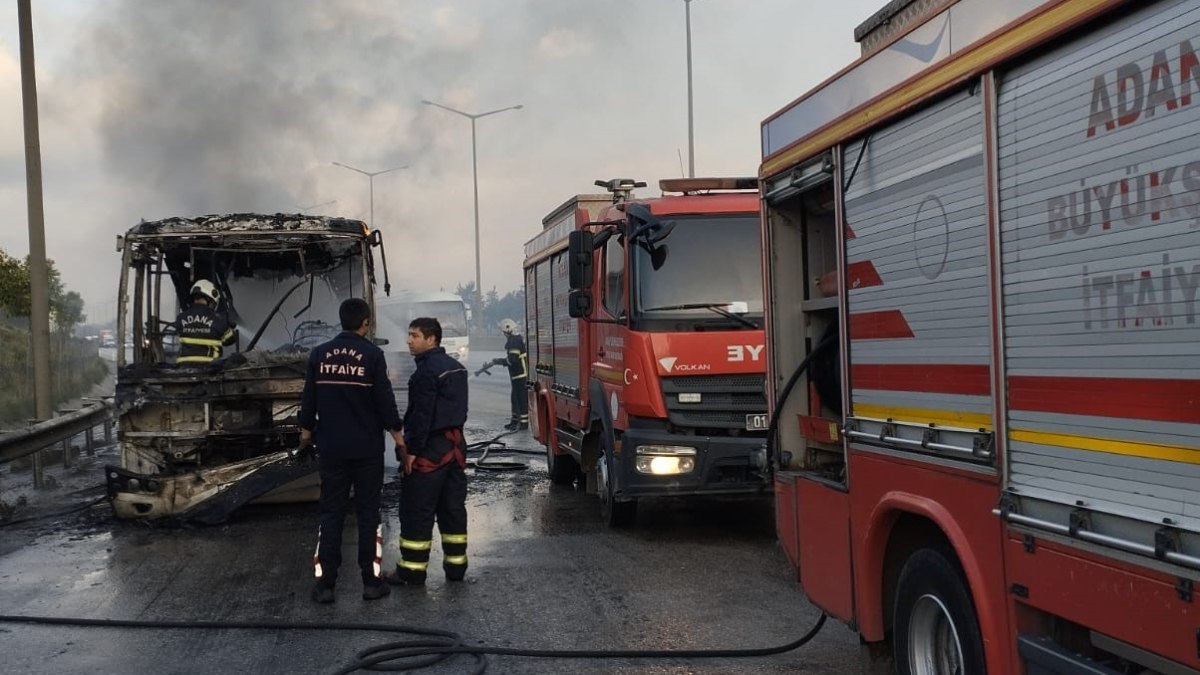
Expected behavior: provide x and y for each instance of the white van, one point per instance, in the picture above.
(393, 315)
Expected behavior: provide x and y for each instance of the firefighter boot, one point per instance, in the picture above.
(513, 425)
(322, 592)
(403, 576)
(374, 588)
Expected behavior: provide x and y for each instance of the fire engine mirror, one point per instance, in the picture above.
(579, 261)
(579, 304)
(658, 256)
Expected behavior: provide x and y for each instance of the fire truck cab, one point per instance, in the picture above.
(644, 324)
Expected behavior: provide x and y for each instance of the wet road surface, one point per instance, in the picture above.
(544, 573)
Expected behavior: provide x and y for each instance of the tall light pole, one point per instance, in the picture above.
(371, 179)
(475, 177)
(687, 13)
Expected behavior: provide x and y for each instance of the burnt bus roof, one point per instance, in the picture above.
(250, 223)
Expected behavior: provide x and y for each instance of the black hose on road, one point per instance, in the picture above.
(431, 645)
(499, 447)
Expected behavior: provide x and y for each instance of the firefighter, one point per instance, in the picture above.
(348, 401)
(434, 485)
(203, 331)
(517, 360)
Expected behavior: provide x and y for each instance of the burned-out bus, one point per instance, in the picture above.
(199, 440)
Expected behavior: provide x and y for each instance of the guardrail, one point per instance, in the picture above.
(60, 430)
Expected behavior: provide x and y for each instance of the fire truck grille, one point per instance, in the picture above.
(724, 402)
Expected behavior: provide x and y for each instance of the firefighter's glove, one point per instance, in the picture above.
(307, 450)
(306, 453)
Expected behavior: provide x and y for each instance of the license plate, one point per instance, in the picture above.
(757, 422)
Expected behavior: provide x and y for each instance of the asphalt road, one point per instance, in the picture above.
(544, 573)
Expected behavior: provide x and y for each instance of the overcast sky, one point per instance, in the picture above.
(157, 108)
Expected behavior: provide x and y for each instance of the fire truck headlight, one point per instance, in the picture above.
(665, 460)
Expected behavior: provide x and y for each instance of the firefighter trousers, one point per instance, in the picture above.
(338, 475)
(520, 400)
(436, 490)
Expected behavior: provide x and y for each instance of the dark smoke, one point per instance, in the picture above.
(227, 105)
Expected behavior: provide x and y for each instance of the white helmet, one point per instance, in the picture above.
(205, 288)
(509, 327)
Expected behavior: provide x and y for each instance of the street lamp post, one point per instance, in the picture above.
(475, 180)
(371, 179)
(687, 13)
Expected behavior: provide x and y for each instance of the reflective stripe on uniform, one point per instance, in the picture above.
(456, 560)
(200, 342)
(377, 565)
(213, 347)
(415, 566)
(316, 558)
(454, 538)
(414, 545)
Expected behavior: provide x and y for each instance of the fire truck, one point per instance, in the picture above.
(983, 258)
(644, 330)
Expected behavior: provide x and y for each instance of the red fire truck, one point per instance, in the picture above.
(643, 319)
(983, 263)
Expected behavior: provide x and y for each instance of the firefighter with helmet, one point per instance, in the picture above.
(517, 360)
(203, 331)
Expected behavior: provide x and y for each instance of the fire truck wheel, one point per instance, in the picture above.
(563, 468)
(935, 630)
(614, 513)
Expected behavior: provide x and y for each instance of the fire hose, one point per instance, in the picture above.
(431, 646)
(428, 647)
(499, 447)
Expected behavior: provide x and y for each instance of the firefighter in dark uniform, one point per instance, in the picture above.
(203, 331)
(517, 360)
(434, 485)
(348, 401)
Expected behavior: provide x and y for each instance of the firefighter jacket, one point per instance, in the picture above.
(516, 358)
(437, 399)
(348, 398)
(202, 333)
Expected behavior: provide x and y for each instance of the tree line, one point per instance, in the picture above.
(75, 366)
(495, 308)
